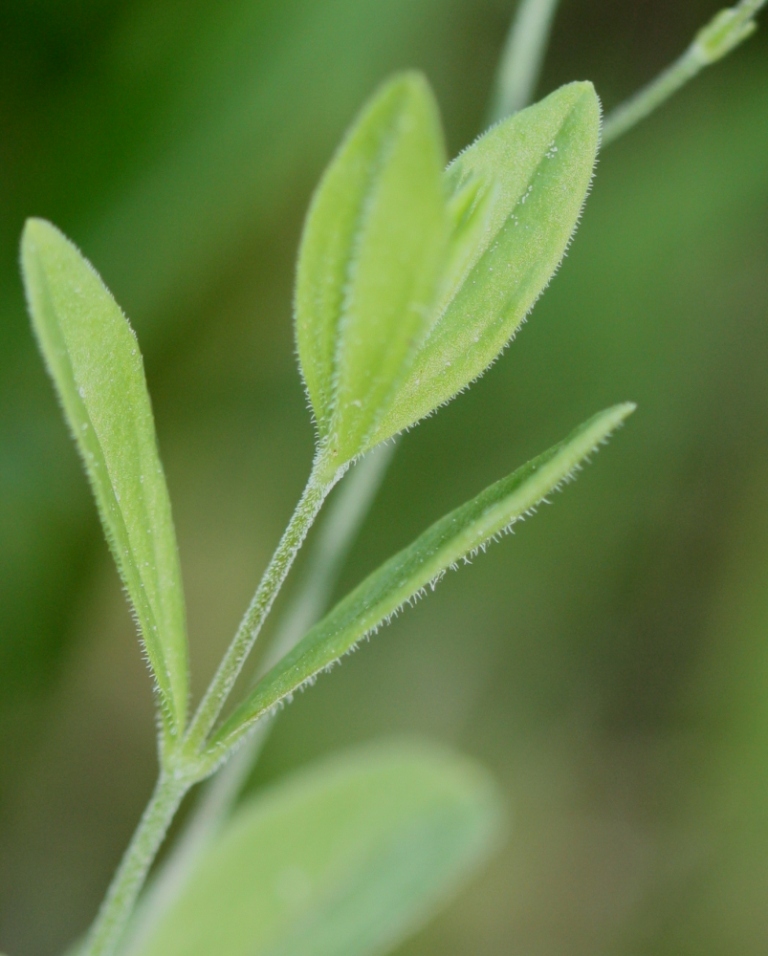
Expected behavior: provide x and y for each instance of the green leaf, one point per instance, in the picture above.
(93, 357)
(370, 259)
(457, 536)
(347, 858)
(530, 174)
(410, 283)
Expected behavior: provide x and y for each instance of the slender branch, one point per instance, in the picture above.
(120, 900)
(335, 536)
(522, 58)
(321, 481)
(727, 30)
(206, 819)
(346, 514)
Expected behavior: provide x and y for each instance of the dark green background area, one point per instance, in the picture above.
(609, 662)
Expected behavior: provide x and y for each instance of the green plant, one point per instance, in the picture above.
(411, 280)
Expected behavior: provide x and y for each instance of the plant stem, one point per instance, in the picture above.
(118, 904)
(205, 821)
(346, 514)
(522, 58)
(329, 550)
(321, 481)
(717, 39)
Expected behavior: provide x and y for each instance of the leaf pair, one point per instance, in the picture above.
(412, 278)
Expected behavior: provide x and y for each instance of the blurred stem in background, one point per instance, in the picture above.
(516, 80)
(522, 58)
(724, 32)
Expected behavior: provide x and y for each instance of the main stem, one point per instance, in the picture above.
(120, 900)
(110, 923)
(321, 481)
(335, 536)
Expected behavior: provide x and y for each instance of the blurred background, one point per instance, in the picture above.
(609, 663)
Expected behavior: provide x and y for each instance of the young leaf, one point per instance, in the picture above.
(534, 171)
(457, 536)
(370, 258)
(94, 360)
(348, 857)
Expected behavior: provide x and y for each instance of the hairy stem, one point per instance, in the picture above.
(107, 930)
(321, 481)
(329, 551)
(346, 514)
(522, 58)
(727, 30)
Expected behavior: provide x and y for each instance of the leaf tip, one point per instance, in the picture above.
(625, 409)
(37, 232)
(583, 100)
(410, 90)
(34, 237)
(40, 240)
(612, 418)
(409, 83)
(30, 236)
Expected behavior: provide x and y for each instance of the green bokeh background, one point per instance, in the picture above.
(609, 663)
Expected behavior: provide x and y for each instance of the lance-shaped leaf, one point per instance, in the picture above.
(370, 258)
(531, 174)
(457, 536)
(94, 360)
(348, 857)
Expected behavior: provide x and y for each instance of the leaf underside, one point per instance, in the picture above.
(93, 357)
(348, 857)
(454, 538)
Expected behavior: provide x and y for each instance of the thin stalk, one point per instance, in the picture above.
(321, 481)
(522, 58)
(346, 514)
(727, 30)
(206, 819)
(335, 536)
(126, 885)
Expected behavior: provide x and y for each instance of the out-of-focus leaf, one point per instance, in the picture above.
(93, 357)
(458, 535)
(370, 257)
(345, 858)
(533, 172)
